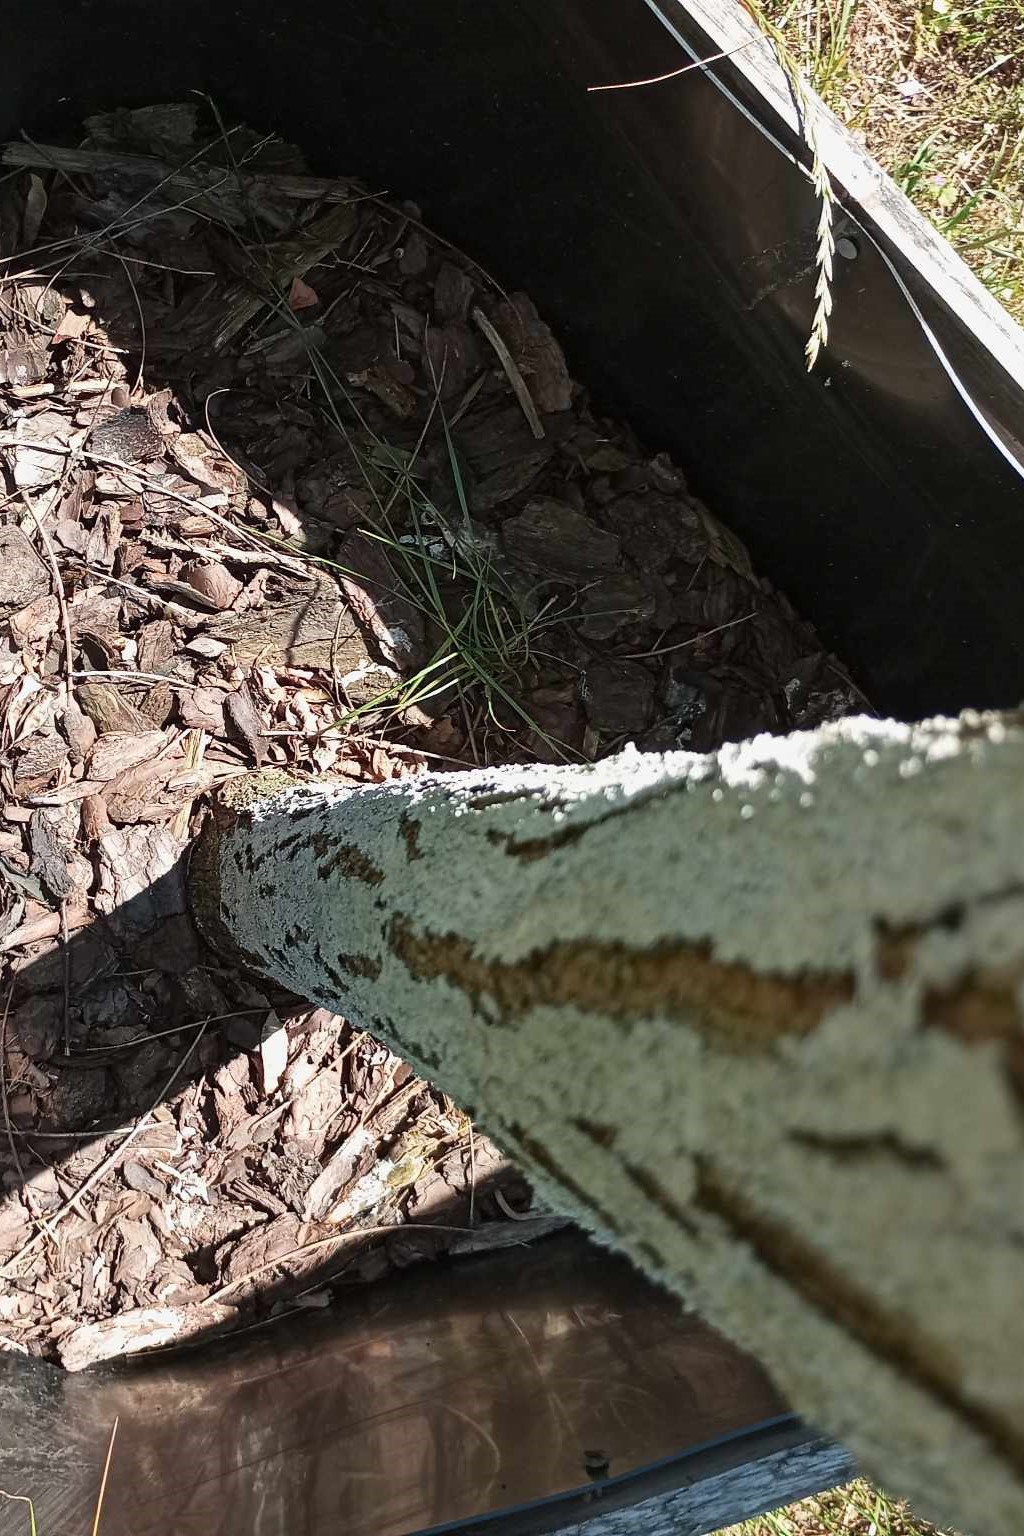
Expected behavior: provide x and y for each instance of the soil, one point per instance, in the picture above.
(287, 480)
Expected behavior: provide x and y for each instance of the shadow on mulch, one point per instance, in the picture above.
(230, 526)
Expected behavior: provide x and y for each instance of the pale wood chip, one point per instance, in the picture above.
(117, 751)
(142, 1328)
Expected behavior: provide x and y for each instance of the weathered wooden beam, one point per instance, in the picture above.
(754, 1018)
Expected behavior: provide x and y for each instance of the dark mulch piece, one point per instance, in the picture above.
(276, 439)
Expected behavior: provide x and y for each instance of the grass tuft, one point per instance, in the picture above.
(857, 1509)
(794, 68)
(935, 88)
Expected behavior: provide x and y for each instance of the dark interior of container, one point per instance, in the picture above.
(670, 245)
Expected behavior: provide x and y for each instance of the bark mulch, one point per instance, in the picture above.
(287, 479)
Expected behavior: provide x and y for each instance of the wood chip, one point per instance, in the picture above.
(261, 1246)
(116, 751)
(336, 1174)
(537, 353)
(55, 860)
(23, 572)
(136, 795)
(140, 1329)
(214, 582)
(95, 820)
(110, 710)
(242, 715)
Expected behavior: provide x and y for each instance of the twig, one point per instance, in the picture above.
(159, 1034)
(109, 1162)
(61, 160)
(472, 1176)
(290, 562)
(673, 74)
(23, 1498)
(326, 1242)
(106, 1473)
(58, 588)
(134, 677)
(512, 373)
(3, 1089)
(66, 951)
(683, 644)
(103, 163)
(510, 1210)
(191, 618)
(161, 266)
(142, 320)
(45, 927)
(93, 1136)
(209, 427)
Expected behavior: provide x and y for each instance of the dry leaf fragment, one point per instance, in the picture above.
(725, 547)
(30, 708)
(301, 295)
(35, 624)
(71, 326)
(291, 523)
(39, 451)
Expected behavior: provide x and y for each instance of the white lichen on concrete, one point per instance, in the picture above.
(841, 1189)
